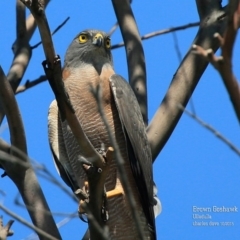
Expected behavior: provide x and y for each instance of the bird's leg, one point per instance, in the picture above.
(118, 190)
(85, 163)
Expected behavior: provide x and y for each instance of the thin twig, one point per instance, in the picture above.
(161, 32)
(56, 30)
(43, 78)
(17, 202)
(45, 173)
(26, 223)
(12, 159)
(113, 29)
(211, 129)
(24, 176)
(167, 116)
(60, 224)
(29, 84)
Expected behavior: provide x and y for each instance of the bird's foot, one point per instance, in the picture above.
(85, 163)
(83, 195)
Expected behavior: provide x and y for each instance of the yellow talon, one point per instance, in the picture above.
(115, 192)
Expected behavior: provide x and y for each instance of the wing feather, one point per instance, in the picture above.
(57, 146)
(138, 147)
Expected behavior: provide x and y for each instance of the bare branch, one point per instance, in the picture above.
(134, 52)
(205, 7)
(211, 129)
(180, 60)
(180, 90)
(42, 233)
(64, 214)
(13, 114)
(54, 75)
(31, 25)
(43, 78)
(21, 49)
(60, 224)
(161, 32)
(96, 230)
(56, 30)
(24, 176)
(21, 26)
(10, 159)
(113, 29)
(29, 84)
(223, 63)
(22, 53)
(45, 173)
(53, 71)
(33, 83)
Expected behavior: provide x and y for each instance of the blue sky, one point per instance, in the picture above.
(194, 169)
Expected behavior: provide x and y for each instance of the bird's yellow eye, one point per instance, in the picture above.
(108, 43)
(83, 38)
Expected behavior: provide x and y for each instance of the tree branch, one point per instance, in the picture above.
(113, 29)
(160, 32)
(22, 53)
(211, 129)
(13, 114)
(56, 30)
(43, 172)
(29, 84)
(52, 67)
(224, 63)
(43, 234)
(54, 74)
(21, 49)
(134, 52)
(182, 85)
(24, 176)
(43, 78)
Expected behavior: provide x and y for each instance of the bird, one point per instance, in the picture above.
(88, 64)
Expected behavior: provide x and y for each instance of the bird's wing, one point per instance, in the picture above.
(58, 148)
(138, 147)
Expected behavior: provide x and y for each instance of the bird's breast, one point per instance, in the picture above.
(79, 84)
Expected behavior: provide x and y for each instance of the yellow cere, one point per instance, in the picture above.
(98, 35)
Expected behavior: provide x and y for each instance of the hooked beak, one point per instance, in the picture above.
(98, 40)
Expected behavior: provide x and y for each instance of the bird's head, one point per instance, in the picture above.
(89, 46)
